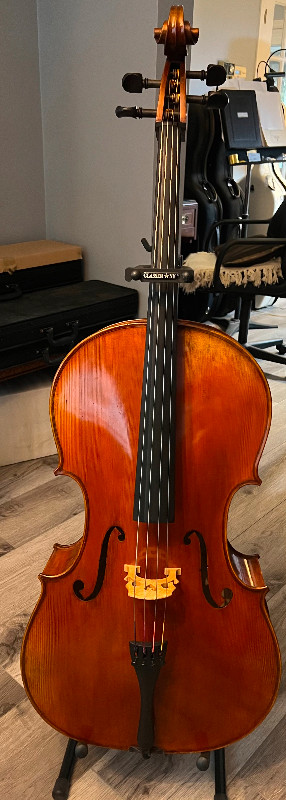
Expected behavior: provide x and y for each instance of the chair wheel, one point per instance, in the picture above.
(281, 349)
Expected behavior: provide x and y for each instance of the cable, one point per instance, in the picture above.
(278, 177)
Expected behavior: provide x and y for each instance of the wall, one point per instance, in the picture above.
(265, 32)
(228, 31)
(22, 215)
(98, 169)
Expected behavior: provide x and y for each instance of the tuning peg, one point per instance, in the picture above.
(134, 82)
(214, 75)
(135, 111)
(215, 100)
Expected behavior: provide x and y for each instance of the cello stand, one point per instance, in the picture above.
(76, 750)
(220, 782)
(203, 762)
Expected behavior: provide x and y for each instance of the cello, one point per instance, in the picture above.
(152, 628)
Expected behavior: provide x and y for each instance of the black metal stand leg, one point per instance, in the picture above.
(74, 750)
(237, 308)
(244, 319)
(220, 783)
(203, 762)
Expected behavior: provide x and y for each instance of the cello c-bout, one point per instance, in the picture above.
(151, 628)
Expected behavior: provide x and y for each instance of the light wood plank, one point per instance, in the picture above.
(253, 502)
(27, 475)
(269, 760)
(11, 693)
(162, 776)
(5, 547)
(28, 515)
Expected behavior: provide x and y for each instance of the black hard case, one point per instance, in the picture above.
(35, 278)
(40, 328)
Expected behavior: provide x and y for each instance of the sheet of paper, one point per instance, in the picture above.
(271, 118)
(253, 86)
(230, 83)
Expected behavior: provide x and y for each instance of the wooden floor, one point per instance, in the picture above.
(36, 509)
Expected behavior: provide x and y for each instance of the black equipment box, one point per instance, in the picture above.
(29, 266)
(38, 329)
(240, 120)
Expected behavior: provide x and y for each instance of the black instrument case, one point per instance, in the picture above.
(40, 328)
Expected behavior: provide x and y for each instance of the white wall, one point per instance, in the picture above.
(98, 169)
(228, 31)
(265, 32)
(22, 215)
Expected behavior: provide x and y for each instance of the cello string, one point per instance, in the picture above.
(162, 417)
(155, 374)
(160, 469)
(174, 301)
(151, 296)
(151, 460)
(164, 373)
(156, 203)
(142, 452)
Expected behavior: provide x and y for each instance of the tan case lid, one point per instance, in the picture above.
(36, 254)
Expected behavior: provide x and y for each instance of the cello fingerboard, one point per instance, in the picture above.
(155, 474)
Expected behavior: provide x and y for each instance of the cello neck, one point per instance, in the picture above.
(155, 474)
(165, 243)
(154, 499)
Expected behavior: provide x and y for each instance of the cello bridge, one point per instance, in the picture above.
(149, 588)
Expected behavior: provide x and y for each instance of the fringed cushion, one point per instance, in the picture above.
(203, 265)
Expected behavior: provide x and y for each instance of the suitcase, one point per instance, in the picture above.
(30, 266)
(39, 328)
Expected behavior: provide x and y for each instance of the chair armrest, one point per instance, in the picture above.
(238, 221)
(241, 242)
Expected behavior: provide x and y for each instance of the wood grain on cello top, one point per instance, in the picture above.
(233, 666)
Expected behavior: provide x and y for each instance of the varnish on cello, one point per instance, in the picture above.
(151, 629)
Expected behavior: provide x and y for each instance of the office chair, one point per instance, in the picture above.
(244, 268)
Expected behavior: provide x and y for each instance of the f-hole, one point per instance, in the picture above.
(226, 593)
(79, 585)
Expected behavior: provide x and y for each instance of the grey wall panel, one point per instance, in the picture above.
(98, 169)
(22, 214)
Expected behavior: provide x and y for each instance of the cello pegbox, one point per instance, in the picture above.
(176, 33)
